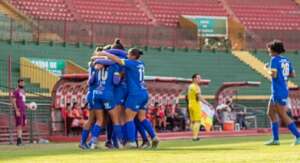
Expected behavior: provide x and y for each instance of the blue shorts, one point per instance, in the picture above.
(95, 103)
(120, 95)
(279, 100)
(136, 102)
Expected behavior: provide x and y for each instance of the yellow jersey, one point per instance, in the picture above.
(194, 105)
(193, 92)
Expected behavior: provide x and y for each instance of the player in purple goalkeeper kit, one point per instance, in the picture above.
(19, 106)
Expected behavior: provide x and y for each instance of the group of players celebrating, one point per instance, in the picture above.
(117, 97)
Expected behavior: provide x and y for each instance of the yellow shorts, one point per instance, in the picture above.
(195, 112)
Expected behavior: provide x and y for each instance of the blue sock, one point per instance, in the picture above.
(140, 129)
(148, 127)
(96, 133)
(92, 127)
(293, 128)
(117, 134)
(118, 131)
(114, 140)
(275, 130)
(84, 136)
(130, 131)
(109, 132)
(136, 135)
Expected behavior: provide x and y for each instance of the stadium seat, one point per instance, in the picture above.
(105, 11)
(261, 17)
(45, 9)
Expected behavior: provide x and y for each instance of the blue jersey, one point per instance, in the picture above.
(120, 53)
(93, 78)
(123, 55)
(134, 76)
(283, 68)
(105, 85)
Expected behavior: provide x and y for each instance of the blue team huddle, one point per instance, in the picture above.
(117, 98)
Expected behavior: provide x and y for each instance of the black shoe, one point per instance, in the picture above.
(19, 141)
(137, 143)
(196, 139)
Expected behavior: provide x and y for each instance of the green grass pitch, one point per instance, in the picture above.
(234, 149)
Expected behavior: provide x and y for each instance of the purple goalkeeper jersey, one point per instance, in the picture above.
(19, 95)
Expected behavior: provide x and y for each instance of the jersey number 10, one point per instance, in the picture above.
(103, 74)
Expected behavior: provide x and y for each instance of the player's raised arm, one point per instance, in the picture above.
(109, 56)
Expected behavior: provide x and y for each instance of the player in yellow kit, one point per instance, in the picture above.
(194, 105)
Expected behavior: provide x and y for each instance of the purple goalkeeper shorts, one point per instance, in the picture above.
(21, 120)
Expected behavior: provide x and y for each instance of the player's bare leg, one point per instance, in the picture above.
(87, 126)
(19, 135)
(195, 130)
(282, 112)
(122, 115)
(97, 128)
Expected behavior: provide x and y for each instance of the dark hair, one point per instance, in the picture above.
(136, 52)
(228, 102)
(276, 46)
(195, 75)
(20, 80)
(99, 48)
(117, 44)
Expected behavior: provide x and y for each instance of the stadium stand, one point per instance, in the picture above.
(256, 64)
(259, 14)
(167, 12)
(20, 32)
(119, 11)
(112, 12)
(45, 9)
(94, 11)
(218, 67)
(259, 17)
(294, 57)
(91, 20)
